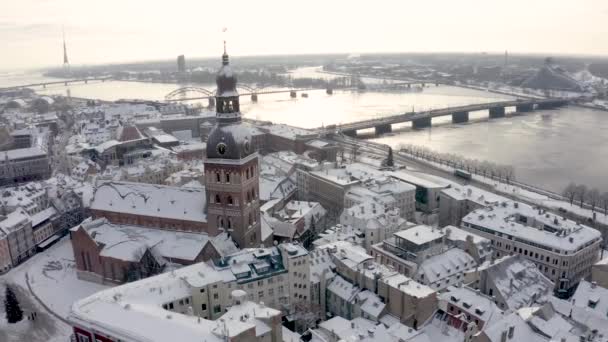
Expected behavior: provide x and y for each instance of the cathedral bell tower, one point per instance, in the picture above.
(231, 167)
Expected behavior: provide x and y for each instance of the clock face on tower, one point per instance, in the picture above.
(221, 148)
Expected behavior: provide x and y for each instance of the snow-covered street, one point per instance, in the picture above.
(53, 279)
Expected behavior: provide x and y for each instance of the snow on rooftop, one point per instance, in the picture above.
(444, 269)
(519, 281)
(549, 230)
(592, 296)
(473, 194)
(151, 200)
(408, 285)
(22, 153)
(286, 131)
(127, 242)
(471, 301)
(421, 179)
(134, 311)
(14, 221)
(420, 234)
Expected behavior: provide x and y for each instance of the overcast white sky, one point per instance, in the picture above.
(100, 31)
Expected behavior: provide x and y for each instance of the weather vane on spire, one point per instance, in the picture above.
(224, 29)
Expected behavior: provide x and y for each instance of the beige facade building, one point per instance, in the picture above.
(23, 165)
(562, 249)
(17, 227)
(5, 254)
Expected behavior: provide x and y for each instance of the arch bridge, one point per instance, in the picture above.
(181, 94)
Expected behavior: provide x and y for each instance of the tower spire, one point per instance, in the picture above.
(225, 60)
(66, 62)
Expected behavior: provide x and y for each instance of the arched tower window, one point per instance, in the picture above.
(247, 174)
(230, 200)
(248, 197)
(220, 222)
(218, 177)
(253, 194)
(229, 223)
(218, 199)
(250, 219)
(227, 177)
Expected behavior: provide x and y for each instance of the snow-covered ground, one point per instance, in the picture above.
(55, 271)
(53, 278)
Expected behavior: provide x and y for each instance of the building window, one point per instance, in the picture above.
(230, 201)
(83, 338)
(218, 199)
(220, 221)
(247, 174)
(229, 223)
(227, 177)
(204, 307)
(202, 290)
(216, 296)
(261, 294)
(218, 177)
(217, 309)
(170, 306)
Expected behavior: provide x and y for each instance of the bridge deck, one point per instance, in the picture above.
(405, 117)
(56, 82)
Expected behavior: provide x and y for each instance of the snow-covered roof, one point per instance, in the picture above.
(190, 147)
(339, 232)
(151, 200)
(165, 138)
(14, 221)
(318, 143)
(445, 269)
(470, 301)
(458, 234)
(408, 285)
(370, 303)
(43, 215)
(519, 281)
(592, 296)
(521, 331)
(286, 131)
(22, 153)
(350, 255)
(320, 263)
(545, 229)
(343, 288)
(134, 311)
(420, 234)
(127, 242)
(421, 179)
(473, 194)
(337, 176)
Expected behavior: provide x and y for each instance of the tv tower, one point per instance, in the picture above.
(66, 62)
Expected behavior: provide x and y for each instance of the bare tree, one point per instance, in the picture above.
(581, 191)
(593, 198)
(570, 192)
(354, 151)
(604, 201)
